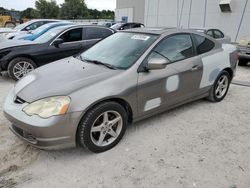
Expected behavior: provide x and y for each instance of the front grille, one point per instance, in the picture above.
(17, 130)
(28, 136)
(18, 100)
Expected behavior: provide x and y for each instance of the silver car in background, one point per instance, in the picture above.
(7, 33)
(216, 34)
(90, 99)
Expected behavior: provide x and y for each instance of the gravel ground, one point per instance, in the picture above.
(200, 144)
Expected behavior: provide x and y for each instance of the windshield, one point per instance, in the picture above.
(46, 37)
(120, 50)
(21, 26)
(40, 29)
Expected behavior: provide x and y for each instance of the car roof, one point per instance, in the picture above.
(162, 31)
(37, 20)
(64, 27)
(58, 23)
(150, 30)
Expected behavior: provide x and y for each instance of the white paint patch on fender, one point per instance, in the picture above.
(153, 103)
(24, 82)
(172, 83)
(214, 64)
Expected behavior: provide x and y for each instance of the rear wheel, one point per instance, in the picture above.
(19, 67)
(220, 88)
(102, 127)
(243, 62)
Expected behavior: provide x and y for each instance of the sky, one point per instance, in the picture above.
(23, 4)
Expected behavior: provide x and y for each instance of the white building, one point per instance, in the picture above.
(231, 16)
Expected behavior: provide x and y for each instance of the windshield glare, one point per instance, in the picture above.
(120, 50)
(46, 37)
(40, 29)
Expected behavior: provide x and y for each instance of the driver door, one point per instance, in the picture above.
(179, 81)
(72, 44)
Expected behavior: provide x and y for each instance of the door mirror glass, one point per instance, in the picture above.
(157, 63)
(57, 42)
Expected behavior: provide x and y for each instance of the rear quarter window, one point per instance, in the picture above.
(203, 44)
(106, 33)
(93, 33)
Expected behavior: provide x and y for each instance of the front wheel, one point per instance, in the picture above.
(102, 127)
(19, 67)
(220, 88)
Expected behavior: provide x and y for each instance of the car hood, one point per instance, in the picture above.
(24, 36)
(61, 78)
(14, 43)
(6, 30)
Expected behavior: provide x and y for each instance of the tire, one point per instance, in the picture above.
(214, 95)
(19, 67)
(242, 62)
(93, 125)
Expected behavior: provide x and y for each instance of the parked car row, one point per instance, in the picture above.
(88, 99)
(38, 42)
(48, 43)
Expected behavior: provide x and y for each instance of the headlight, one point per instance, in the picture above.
(48, 107)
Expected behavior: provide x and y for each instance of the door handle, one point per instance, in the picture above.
(194, 68)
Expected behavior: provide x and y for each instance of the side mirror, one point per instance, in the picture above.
(157, 63)
(57, 42)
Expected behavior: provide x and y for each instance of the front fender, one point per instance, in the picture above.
(85, 98)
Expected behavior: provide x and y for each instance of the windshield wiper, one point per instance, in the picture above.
(99, 63)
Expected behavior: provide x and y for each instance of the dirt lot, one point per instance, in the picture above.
(201, 144)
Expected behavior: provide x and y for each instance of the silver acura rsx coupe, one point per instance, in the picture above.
(89, 100)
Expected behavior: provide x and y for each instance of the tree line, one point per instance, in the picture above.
(70, 9)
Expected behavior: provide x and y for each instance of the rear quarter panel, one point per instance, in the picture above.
(216, 61)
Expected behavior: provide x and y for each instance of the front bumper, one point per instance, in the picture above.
(244, 52)
(53, 133)
(244, 56)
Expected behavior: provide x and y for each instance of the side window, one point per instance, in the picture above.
(93, 33)
(106, 33)
(203, 44)
(126, 26)
(175, 48)
(218, 34)
(72, 35)
(136, 25)
(210, 33)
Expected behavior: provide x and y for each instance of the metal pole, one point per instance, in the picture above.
(190, 10)
(158, 7)
(205, 14)
(241, 20)
(181, 12)
(177, 13)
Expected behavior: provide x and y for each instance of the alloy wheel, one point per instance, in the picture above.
(106, 128)
(221, 86)
(22, 68)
